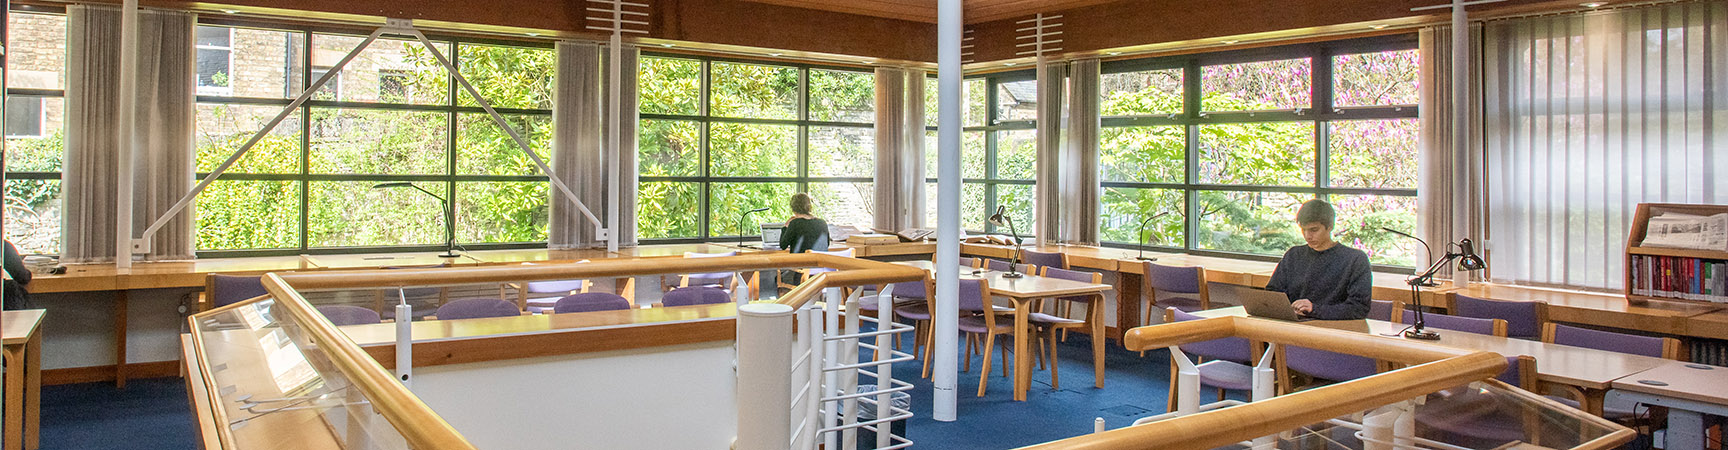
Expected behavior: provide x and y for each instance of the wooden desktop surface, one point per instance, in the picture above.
(1600, 309)
(1685, 381)
(20, 325)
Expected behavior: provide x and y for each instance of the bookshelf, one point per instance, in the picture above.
(1677, 274)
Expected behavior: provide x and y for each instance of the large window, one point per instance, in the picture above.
(998, 150)
(719, 138)
(393, 114)
(1216, 151)
(35, 131)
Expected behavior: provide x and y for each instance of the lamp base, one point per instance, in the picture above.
(1422, 334)
(449, 255)
(1146, 258)
(1013, 275)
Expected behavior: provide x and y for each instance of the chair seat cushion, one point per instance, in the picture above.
(976, 324)
(913, 312)
(1185, 304)
(1042, 319)
(1226, 375)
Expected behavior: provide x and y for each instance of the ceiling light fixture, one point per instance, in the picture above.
(1592, 5)
(1378, 27)
(1232, 41)
(230, 11)
(775, 54)
(666, 45)
(1010, 64)
(1115, 53)
(533, 34)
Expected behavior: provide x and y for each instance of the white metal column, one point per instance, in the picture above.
(949, 27)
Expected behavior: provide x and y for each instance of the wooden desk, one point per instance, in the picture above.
(1712, 325)
(23, 353)
(1599, 309)
(439, 342)
(1688, 390)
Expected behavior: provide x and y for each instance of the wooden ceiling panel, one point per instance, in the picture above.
(925, 10)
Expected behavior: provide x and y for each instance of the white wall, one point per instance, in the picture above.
(78, 329)
(677, 397)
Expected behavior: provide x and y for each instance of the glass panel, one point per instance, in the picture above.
(263, 64)
(972, 212)
(33, 215)
(249, 214)
(1141, 93)
(414, 76)
(353, 213)
(668, 210)
(485, 149)
(1124, 210)
(1017, 100)
(728, 202)
(223, 128)
(509, 77)
(971, 155)
(1256, 86)
(752, 150)
(1249, 222)
(842, 152)
(837, 96)
(45, 150)
(1018, 199)
(670, 148)
(373, 141)
(845, 203)
(502, 211)
(1360, 222)
(753, 91)
(1374, 153)
(1262, 153)
(670, 86)
(1016, 154)
(1383, 78)
(36, 51)
(976, 102)
(932, 102)
(1143, 154)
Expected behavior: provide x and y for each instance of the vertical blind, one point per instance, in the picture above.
(1588, 115)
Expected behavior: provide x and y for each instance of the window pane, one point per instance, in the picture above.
(751, 150)
(249, 214)
(509, 77)
(214, 71)
(972, 212)
(670, 85)
(1374, 153)
(845, 203)
(933, 102)
(1143, 154)
(423, 80)
(1249, 222)
(1016, 154)
(670, 148)
(1384, 78)
(1256, 86)
(370, 141)
(668, 210)
(33, 215)
(837, 96)
(223, 128)
(754, 91)
(259, 63)
(485, 149)
(1124, 209)
(502, 211)
(1360, 222)
(43, 153)
(1264, 153)
(208, 36)
(842, 152)
(728, 202)
(1017, 100)
(976, 99)
(1141, 93)
(352, 213)
(971, 155)
(36, 53)
(1018, 199)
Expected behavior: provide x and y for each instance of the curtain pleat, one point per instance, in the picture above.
(1588, 115)
(579, 143)
(1079, 167)
(1047, 195)
(899, 196)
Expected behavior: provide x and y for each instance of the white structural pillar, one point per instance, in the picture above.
(764, 411)
(128, 105)
(949, 29)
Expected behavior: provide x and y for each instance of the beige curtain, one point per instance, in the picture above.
(163, 161)
(1047, 195)
(1449, 172)
(900, 175)
(1079, 164)
(579, 142)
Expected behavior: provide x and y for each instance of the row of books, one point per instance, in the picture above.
(1677, 277)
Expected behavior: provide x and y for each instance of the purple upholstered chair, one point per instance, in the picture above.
(590, 301)
(970, 262)
(228, 289)
(1225, 361)
(1654, 347)
(695, 295)
(1495, 327)
(722, 280)
(917, 311)
(1473, 417)
(1380, 310)
(1044, 259)
(1188, 283)
(340, 315)
(1327, 365)
(1002, 266)
(475, 308)
(1050, 323)
(975, 299)
(1524, 319)
(536, 296)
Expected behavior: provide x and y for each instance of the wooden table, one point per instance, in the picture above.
(23, 353)
(1022, 291)
(1688, 390)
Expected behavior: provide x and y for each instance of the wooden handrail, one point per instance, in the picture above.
(1391, 350)
(850, 271)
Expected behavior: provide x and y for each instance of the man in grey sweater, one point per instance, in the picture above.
(1324, 279)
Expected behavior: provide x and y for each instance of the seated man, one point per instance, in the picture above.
(1324, 279)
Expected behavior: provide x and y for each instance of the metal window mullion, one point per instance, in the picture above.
(803, 168)
(305, 145)
(1191, 96)
(704, 188)
(1321, 88)
(450, 140)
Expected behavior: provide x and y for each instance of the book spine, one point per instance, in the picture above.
(1632, 269)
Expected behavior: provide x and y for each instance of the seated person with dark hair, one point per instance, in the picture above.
(1324, 279)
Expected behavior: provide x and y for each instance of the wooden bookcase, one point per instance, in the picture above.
(1635, 237)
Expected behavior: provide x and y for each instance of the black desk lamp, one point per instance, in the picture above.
(1467, 261)
(1142, 236)
(1427, 252)
(998, 219)
(741, 218)
(449, 217)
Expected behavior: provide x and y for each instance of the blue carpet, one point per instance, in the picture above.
(150, 413)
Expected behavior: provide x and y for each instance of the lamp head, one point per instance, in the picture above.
(997, 219)
(757, 210)
(392, 184)
(1467, 259)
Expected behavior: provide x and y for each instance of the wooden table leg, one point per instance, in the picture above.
(33, 392)
(120, 307)
(1022, 361)
(14, 397)
(1095, 317)
(1592, 401)
(1128, 298)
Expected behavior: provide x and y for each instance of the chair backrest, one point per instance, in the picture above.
(1229, 349)
(1494, 327)
(1520, 372)
(1074, 275)
(1002, 266)
(590, 301)
(694, 295)
(810, 243)
(1523, 318)
(474, 308)
(229, 289)
(913, 289)
(546, 287)
(1380, 310)
(349, 315)
(705, 279)
(1174, 279)
(973, 295)
(970, 262)
(1655, 347)
(1044, 259)
(1328, 365)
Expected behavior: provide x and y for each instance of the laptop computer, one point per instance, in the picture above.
(1269, 304)
(771, 235)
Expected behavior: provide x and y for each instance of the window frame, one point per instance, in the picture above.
(41, 96)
